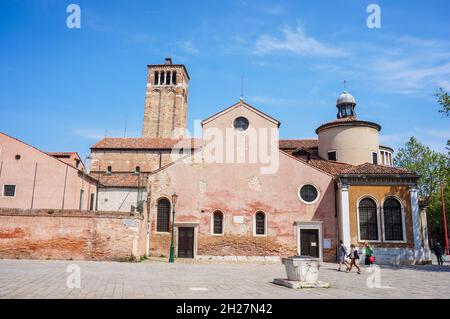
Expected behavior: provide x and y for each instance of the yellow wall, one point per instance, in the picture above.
(379, 193)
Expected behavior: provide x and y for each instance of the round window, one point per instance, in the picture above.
(308, 194)
(240, 123)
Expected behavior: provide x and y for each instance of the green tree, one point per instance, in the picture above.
(443, 101)
(430, 165)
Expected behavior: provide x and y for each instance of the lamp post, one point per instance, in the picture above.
(174, 202)
(444, 217)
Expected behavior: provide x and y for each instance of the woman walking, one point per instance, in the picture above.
(368, 251)
(353, 255)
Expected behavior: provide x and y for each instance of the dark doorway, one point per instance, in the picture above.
(309, 242)
(186, 242)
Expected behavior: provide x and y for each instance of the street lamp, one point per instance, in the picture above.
(174, 202)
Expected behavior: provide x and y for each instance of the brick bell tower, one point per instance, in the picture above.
(165, 114)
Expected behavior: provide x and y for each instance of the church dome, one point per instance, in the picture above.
(345, 97)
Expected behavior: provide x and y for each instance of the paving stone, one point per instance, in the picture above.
(222, 279)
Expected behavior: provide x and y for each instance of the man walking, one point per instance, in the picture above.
(439, 251)
(342, 253)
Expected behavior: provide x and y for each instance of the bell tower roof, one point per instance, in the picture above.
(345, 97)
(346, 104)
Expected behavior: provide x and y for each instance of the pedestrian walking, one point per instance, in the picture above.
(439, 251)
(354, 256)
(368, 252)
(342, 254)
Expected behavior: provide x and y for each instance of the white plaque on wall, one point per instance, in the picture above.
(238, 219)
(326, 243)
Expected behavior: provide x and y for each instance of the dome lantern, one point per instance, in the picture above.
(346, 105)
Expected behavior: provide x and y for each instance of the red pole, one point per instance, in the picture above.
(445, 218)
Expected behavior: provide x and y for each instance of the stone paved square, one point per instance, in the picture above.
(195, 279)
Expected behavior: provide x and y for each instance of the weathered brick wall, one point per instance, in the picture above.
(231, 245)
(165, 105)
(77, 235)
(126, 161)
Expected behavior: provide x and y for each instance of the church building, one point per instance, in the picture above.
(240, 192)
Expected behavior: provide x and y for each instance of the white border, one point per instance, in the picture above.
(403, 220)
(212, 222)
(378, 220)
(265, 224)
(328, 157)
(3, 191)
(236, 130)
(310, 225)
(156, 216)
(305, 202)
(378, 158)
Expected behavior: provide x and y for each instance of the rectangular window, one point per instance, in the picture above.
(91, 203)
(375, 158)
(332, 156)
(81, 198)
(9, 190)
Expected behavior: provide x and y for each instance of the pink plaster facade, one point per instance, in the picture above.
(42, 181)
(239, 191)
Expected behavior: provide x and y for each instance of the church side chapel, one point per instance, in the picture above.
(305, 196)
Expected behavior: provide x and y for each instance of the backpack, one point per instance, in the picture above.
(355, 254)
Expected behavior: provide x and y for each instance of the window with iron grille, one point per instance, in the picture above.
(308, 193)
(368, 221)
(163, 215)
(260, 223)
(9, 190)
(392, 216)
(218, 223)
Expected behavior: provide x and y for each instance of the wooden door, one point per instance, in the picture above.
(186, 242)
(309, 242)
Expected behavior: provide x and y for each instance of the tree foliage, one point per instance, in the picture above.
(430, 165)
(444, 102)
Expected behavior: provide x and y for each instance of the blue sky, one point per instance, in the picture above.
(61, 89)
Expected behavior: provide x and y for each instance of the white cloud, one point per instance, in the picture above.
(296, 42)
(189, 47)
(266, 99)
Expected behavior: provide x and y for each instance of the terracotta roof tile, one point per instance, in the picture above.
(145, 143)
(298, 143)
(331, 167)
(368, 168)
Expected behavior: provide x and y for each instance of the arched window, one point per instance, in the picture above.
(167, 78)
(393, 221)
(368, 221)
(163, 216)
(174, 78)
(217, 223)
(156, 78)
(137, 170)
(109, 170)
(260, 223)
